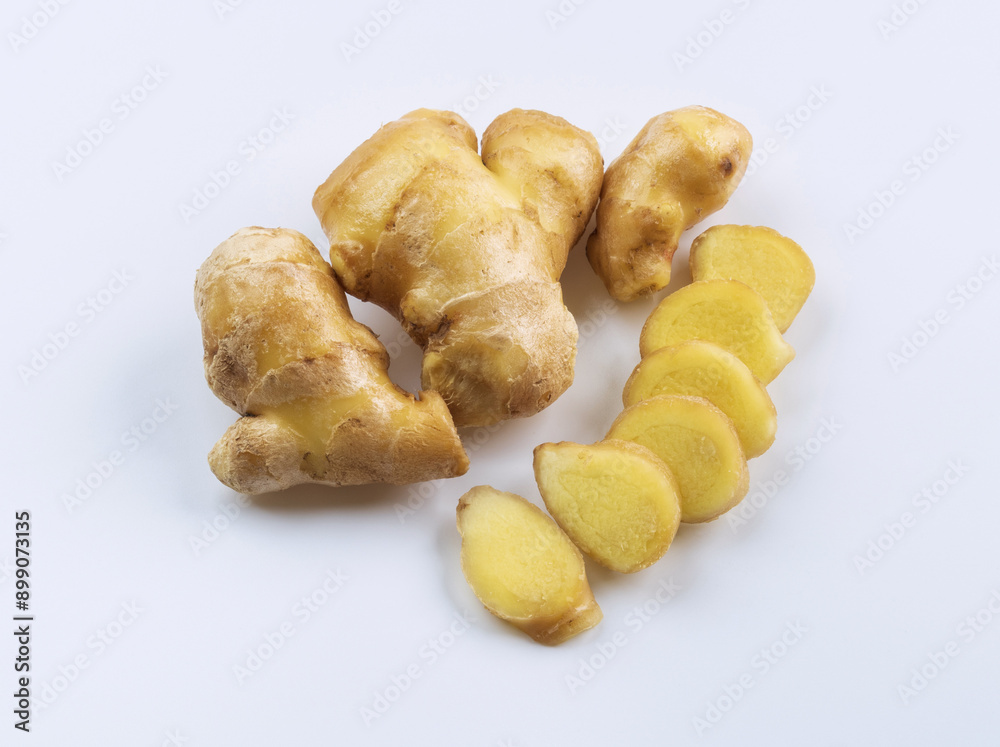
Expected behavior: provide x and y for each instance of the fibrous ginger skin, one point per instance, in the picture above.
(466, 251)
(282, 349)
(683, 166)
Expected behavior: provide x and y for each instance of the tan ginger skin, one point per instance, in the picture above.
(282, 349)
(683, 166)
(466, 251)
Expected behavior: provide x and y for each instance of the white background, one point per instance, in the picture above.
(168, 676)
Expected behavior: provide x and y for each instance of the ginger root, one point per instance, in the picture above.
(682, 166)
(282, 349)
(467, 252)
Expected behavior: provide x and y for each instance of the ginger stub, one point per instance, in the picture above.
(702, 369)
(726, 312)
(760, 257)
(698, 443)
(615, 499)
(282, 349)
(523, 568)
(466, 251)
(683, 166)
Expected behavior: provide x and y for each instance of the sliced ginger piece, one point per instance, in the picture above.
(523, 568)
(616, 500)
(773, 265)
(702, 369)
(700, 446)
(727, 312)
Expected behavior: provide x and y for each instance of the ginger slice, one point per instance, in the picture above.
(732, 315)
(702, 369)
(773, 265)
(616, 500)
(700, 446)
(523, 568)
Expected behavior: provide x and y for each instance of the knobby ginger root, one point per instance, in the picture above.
(282, 349)
(682, 166)
(466, 251)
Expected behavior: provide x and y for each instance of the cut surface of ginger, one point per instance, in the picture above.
(523, 568)
(732, 315)
(702, 369)
(700, 446)
(773, 265)
(615, 499)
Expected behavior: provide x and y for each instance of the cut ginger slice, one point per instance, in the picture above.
(700, 446)
(727, 312)
(703, 369)
(616, 500)
(771, 264)
(522, 566)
